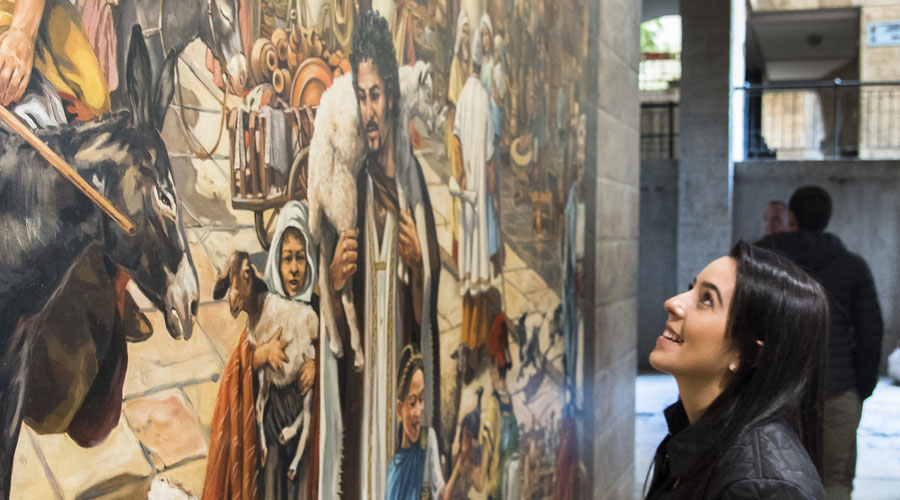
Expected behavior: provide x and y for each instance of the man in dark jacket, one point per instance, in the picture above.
(854, 344)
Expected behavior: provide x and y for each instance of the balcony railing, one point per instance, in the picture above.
(819, 120)
(659, 131)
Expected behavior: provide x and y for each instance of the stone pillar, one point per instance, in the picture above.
(613, 238)
(705, 167)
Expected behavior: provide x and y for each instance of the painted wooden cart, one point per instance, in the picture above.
(258, 183)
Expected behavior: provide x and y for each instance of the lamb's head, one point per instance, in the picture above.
(240, 280)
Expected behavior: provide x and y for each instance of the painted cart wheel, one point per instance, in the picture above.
(264, 220)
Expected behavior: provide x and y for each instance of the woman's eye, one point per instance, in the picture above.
(707, 299)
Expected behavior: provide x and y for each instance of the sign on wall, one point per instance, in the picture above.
(883, 34)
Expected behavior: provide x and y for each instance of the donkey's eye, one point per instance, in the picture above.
(165, 202)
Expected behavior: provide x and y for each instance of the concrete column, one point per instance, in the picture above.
(705, 167)
(613, 235)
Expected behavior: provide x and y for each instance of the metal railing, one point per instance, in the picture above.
(659, 131)
(819, 120)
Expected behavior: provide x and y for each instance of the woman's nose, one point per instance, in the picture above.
(675, 306)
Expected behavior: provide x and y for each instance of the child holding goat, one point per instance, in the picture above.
(280, 351)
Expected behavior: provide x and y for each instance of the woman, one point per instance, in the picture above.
(745, 345)
(416, 465)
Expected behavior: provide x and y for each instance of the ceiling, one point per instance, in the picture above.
(802, 45)
(657, 8)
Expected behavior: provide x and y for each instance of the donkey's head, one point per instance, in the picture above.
(157, 256)
(220, 30)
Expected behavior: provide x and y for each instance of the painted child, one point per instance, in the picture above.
(414, 472)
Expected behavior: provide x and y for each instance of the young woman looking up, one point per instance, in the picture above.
(745, 345)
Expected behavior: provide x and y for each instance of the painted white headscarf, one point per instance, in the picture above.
(461, 21)
(477, 48)
(293, 214)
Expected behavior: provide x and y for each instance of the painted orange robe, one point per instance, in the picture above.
(232, 467)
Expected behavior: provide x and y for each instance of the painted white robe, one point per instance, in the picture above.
(386, 318)
(476, 136)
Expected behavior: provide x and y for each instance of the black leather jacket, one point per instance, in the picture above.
(857, 327)
(766, 461)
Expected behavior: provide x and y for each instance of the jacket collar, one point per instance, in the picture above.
(685, 442)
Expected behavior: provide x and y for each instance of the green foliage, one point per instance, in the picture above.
(649, 30)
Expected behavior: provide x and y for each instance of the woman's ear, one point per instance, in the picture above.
(399, 416)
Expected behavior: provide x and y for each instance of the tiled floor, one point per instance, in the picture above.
(878, 463)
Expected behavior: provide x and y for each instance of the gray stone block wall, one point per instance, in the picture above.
(704, 174)
(657, 250)
(613, 234)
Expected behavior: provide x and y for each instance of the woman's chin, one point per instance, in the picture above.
(659, 362)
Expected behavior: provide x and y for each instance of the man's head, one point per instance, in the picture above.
(776, 217)
(810, 209)
(375, 78)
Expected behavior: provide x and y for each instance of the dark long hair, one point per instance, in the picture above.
(777, 303)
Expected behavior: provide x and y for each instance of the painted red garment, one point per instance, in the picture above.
(79, 356)
(566, 461)
(232, 467)
(498, 341)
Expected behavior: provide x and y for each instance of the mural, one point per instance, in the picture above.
(361, 224)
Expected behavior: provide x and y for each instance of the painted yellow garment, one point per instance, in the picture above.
(491, 428)
(458, 76)
(63, 54)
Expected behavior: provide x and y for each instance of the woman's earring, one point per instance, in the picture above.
(733, 367)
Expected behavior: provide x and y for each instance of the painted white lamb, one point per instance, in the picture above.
(163, 489)
(336, 151)
(270, 315)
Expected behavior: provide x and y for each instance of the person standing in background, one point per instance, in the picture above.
(854, 343)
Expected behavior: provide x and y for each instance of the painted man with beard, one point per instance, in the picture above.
(392, 261)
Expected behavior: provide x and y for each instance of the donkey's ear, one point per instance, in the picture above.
(165, 89)
(138, 78)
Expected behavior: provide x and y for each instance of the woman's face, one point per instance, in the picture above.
(293, 262)
(694, 345)
(486, 41)
(410, 409)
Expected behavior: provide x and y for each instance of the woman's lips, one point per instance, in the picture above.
(670, 335)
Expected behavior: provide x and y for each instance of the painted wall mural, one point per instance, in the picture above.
(294, 249)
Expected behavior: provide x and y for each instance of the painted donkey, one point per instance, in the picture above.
(172, 24)
(45, 224)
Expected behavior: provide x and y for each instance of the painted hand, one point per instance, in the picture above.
(343, 265)
(410, 251)
(273, 352)
(16, 59)
(307, 375)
